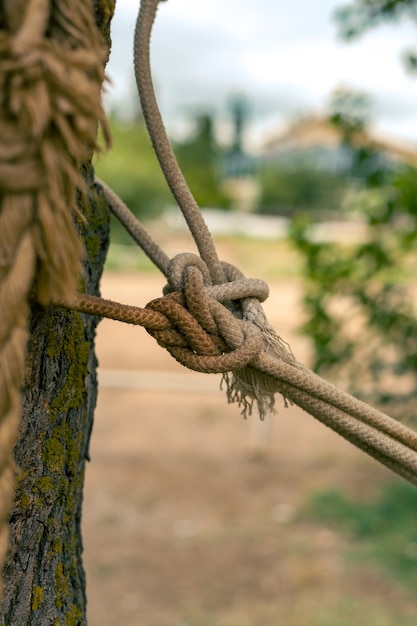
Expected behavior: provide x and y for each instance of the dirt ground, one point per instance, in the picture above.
(194, 516)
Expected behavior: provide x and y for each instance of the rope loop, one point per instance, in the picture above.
(188, 273)
(208, 332)
(211, 319)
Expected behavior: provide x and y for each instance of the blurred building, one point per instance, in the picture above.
(311, 142)
(317, 140)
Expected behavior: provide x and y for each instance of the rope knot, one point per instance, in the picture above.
(220, 328)
(202, 333)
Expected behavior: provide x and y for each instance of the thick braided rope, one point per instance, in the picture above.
(51, 71)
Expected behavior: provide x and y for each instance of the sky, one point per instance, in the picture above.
(284, 58)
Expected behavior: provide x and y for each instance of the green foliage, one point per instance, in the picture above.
(360, 315)
(199, 158)
(131, 169)
(287, 189)
(361, 15)
(355, 18)
(349, 111)
(385, 529)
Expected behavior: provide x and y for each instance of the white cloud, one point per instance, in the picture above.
(273, 51)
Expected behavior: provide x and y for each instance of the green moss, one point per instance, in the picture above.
(75, 350)
(53, 526)
(21, 477)
(61, 586)
(93, 244)
(65, 336)
(37, 597)
(25, 501)
(53, 454)
(44, 491)
(43, 486)
(71, 394)
(55, 338)
(57, 546)
(96, 211)
(56, 622)
(74, 616)
(104, 10)
(68, 445)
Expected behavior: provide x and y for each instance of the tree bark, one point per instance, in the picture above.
(44, 575)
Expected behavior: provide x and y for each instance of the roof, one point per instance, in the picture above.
(318, 132)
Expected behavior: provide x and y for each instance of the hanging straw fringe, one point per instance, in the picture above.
(51, 73)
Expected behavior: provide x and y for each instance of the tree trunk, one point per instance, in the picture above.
(44, 575)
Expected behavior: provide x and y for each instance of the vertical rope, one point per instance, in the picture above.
(51, 71)
(162, 147)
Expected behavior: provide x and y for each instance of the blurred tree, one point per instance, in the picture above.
(350, 111)
(132, 170)
(361, 317)
(361, 314)
(199, 158)
(355, 18)
(287, 189)
(316, 177)
(239, 113)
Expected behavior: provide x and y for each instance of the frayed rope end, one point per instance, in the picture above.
(248, 386)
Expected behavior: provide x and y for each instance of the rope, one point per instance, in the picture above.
(162, 147)
(211, 320)
(237, 328)
(203, 335)
(135, 228)
(51, 71)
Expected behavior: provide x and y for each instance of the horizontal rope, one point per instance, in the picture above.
(211, 320)
(208, 336)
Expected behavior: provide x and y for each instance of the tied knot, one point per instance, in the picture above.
(220, 328)
(207, 330)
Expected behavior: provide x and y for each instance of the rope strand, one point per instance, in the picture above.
(167, 319)
(135, 228)
(203, 334)
(162, 146)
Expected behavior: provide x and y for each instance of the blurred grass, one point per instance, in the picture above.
(347, 612)
(129, 258)
(255, 258)
(383, 530)
(341, 612)
(260, 258)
